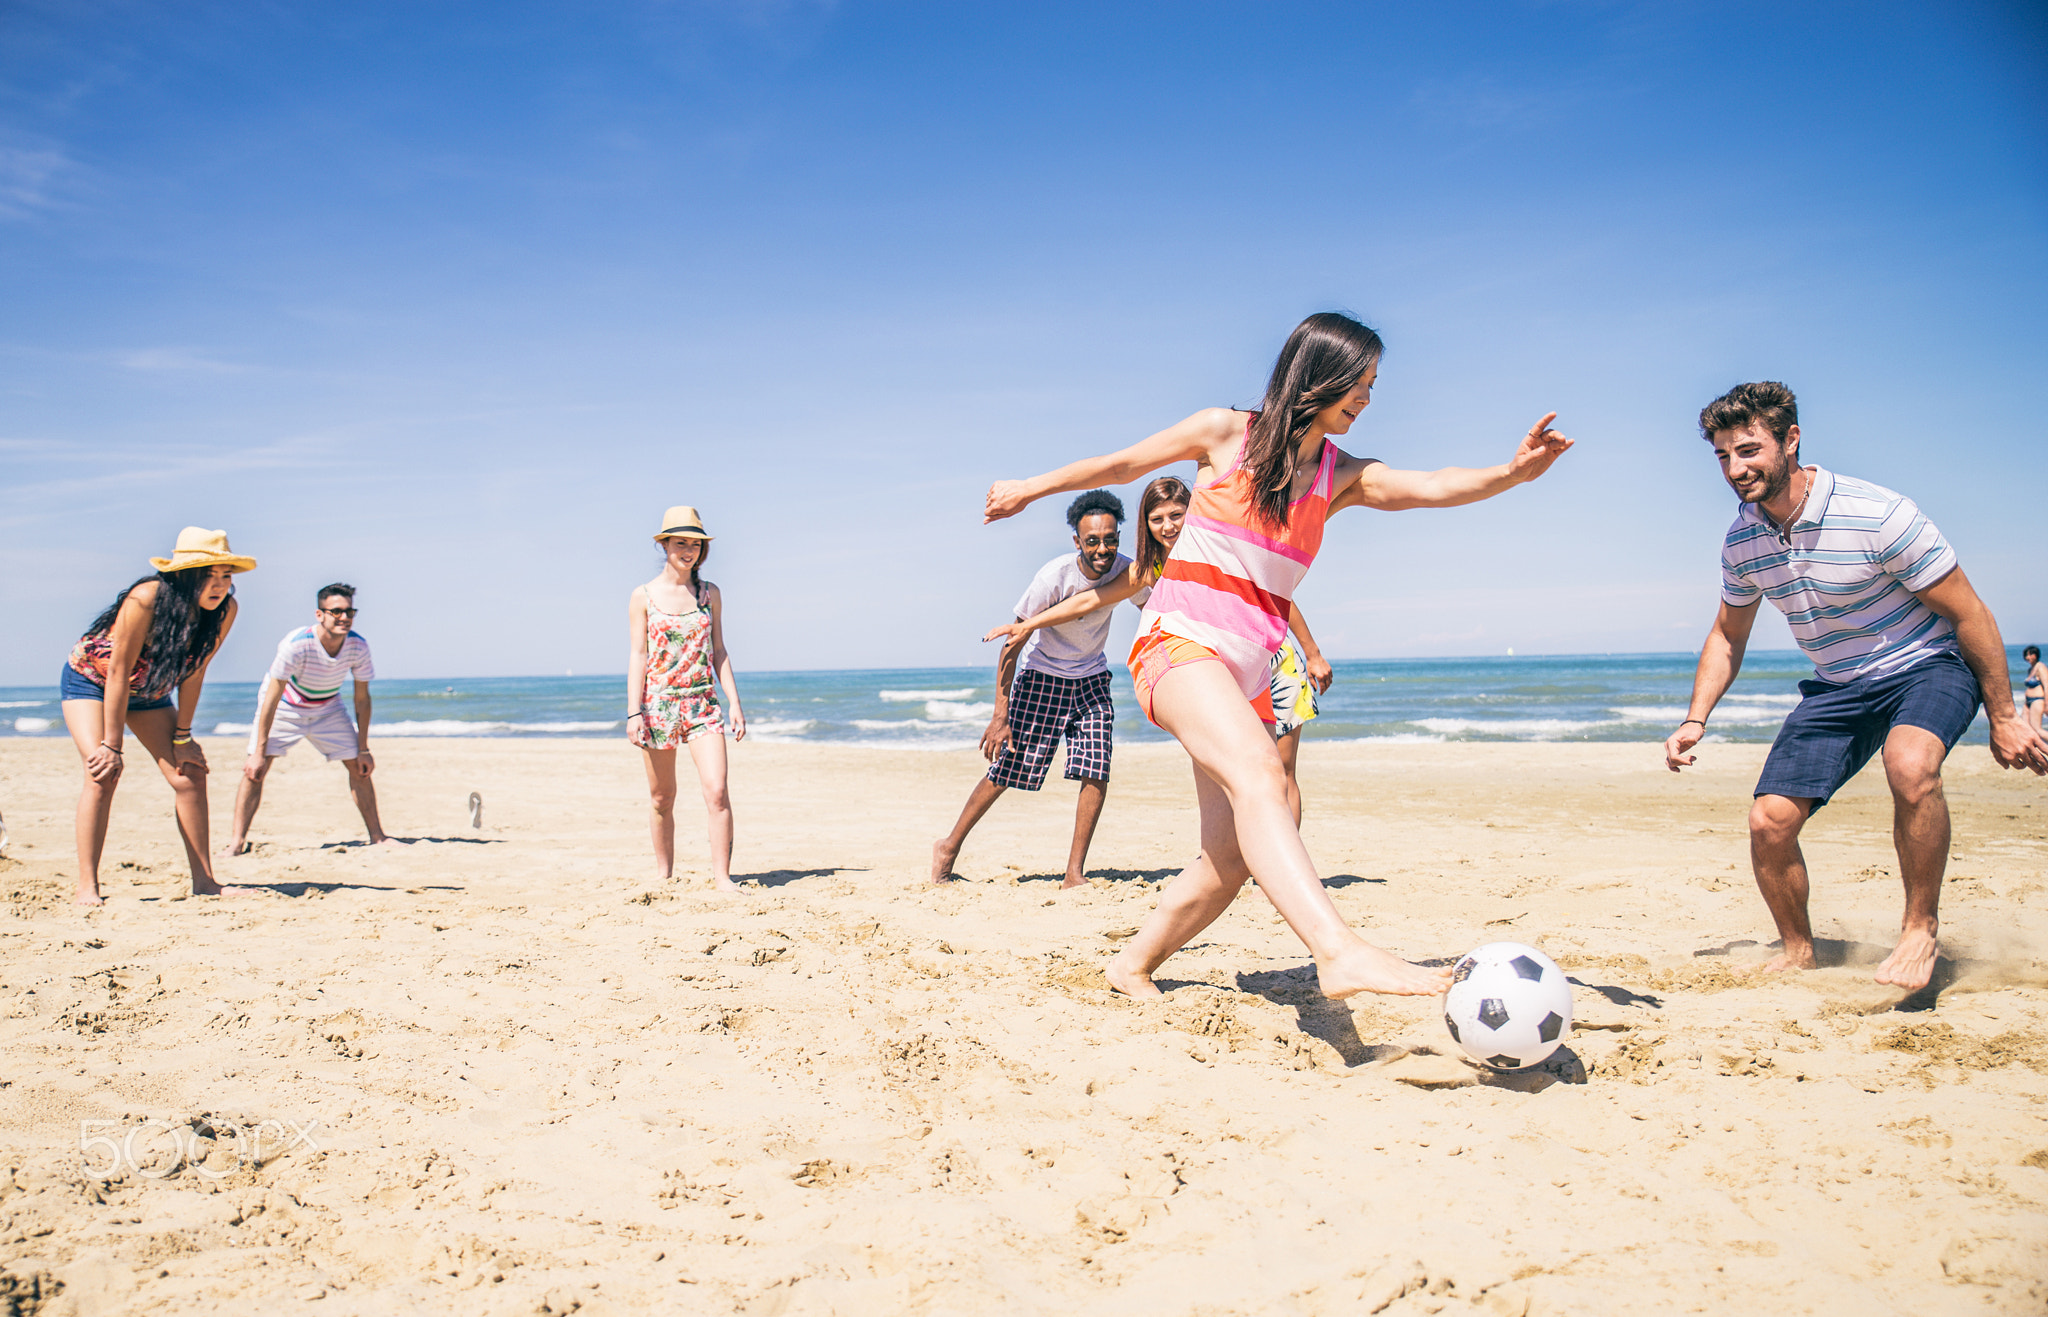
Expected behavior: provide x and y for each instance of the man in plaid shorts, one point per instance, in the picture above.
(1063, 690)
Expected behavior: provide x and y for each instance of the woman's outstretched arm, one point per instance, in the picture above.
(1073, 606)
(1377, 485)
(1197, 437)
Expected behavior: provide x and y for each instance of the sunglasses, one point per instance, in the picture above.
(339, 612)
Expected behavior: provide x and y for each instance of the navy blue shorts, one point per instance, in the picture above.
(75, 685)
(1044, 708)
(1835, 729)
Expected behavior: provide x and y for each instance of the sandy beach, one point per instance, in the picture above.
(500, 1072)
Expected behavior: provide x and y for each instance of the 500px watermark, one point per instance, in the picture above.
(212, 1146)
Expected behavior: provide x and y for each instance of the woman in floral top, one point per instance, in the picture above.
(677, 646)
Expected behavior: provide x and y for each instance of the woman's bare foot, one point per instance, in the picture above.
(943, 856)
(724, 885)
(1129, 979)
(1366, 968)
(1911, 964)
(1072, 881)
(208, 887)
(88, 897)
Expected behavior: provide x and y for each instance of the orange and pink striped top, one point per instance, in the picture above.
(1230, 580)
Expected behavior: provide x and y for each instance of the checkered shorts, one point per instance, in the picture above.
(1043, 708)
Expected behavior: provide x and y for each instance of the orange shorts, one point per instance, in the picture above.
(1158, 653)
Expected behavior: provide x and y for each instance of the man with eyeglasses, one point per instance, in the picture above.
(1061, 694)
(301, 701)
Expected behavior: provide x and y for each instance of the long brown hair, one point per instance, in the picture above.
(1151, 553)
(1325, 355)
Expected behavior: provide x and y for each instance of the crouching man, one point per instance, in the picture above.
(1903, 652)
(301, 701)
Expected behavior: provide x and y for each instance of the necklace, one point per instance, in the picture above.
(1785, 531)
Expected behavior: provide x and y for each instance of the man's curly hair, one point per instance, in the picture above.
(1095, 500)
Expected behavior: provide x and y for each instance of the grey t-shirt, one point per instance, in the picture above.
(1072, 649)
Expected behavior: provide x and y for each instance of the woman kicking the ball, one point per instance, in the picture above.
(1265, 481)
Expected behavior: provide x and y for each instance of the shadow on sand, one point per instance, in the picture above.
(784, 877)
(364, 845)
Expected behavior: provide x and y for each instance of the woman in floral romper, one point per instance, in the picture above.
(677, 644)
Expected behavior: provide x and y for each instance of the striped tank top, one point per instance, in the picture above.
(1230, 579)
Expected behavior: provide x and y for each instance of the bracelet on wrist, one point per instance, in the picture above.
(105, 746)
(1701, 721)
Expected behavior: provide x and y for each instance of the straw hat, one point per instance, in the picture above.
(202, 548)
(682, 523)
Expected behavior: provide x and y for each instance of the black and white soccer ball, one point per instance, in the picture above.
(1509, 1006)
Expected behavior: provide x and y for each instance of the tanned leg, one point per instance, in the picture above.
(248, 799)
(1087, 813)
(82, 718)
(1195, 899)
(707, 753)
(661, 817)
(188, 789)
(1920, 830)
(947, 848)
(1290, 747)
(1780, 867)
(365, 793)
(1199, 703)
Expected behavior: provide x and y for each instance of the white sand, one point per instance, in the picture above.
(499, 1073)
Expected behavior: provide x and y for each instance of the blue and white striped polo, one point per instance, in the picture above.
(1844, 577)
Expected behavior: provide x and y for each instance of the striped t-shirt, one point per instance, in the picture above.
(1844, 575)
(313, 676)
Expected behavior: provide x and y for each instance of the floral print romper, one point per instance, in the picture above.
(678, 694)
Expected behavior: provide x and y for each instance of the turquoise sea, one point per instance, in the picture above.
(1584, 697)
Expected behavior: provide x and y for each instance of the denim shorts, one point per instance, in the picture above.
(75, 685)
(1836, 729)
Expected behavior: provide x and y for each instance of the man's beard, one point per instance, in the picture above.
(1778, 482)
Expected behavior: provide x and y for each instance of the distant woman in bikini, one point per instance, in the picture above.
(151, 645)
(2034, 688)
(677, 635)
(1265, 482)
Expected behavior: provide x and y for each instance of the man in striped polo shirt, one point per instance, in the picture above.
(301, 701)
(1903, 652)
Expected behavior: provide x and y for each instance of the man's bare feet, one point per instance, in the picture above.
(1366, 968)
(1788, 960)
(1129, 979)
(389, 841)
(943, 856)
(241, 847)
(724, 885)
(1911, 964)
(1074, 880)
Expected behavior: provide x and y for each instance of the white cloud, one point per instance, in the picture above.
(179, 359)
(28, 178)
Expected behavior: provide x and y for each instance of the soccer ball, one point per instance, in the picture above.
(1509, 1006)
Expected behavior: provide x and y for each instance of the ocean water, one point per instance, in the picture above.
(1606, 697)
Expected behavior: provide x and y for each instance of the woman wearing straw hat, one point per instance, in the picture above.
(678, 643)
(153, 641)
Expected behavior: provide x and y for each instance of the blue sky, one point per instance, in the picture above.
(452, 300)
